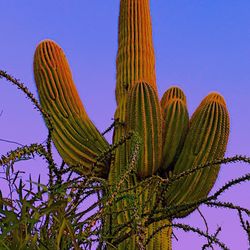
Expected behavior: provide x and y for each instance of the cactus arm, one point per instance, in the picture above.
(206, 141)
(75, 136)
(211, 173)
(175, 126)
(143, 115)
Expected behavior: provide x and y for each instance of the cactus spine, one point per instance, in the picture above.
(170, 143)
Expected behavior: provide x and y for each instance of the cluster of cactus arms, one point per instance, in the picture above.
(170, 142)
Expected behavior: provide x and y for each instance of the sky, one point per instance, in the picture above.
(200, 46)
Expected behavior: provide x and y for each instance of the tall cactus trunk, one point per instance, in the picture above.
(135, 58)
(135, 63)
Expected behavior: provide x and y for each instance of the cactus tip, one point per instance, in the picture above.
(214, 97)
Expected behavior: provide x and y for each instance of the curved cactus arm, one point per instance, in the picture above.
(205, 184)
(175, 126)
(143, 115)
(135, 58)
(206, 141)
(76, 138)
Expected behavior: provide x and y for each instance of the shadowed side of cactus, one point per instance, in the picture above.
(74, 135)
(175, 126)
(118, 211)
(206, 141)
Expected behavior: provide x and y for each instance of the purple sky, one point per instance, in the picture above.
(200, 46)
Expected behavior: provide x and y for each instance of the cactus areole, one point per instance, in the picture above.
(170, 142)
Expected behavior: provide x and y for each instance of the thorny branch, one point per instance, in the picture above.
(82, 225)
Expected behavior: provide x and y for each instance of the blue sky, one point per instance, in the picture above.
(200, 45)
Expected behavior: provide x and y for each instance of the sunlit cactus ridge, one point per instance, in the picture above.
(74, 135)
(171, 143)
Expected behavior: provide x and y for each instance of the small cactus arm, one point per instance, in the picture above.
(143, 115)
(206, 141)
(74, 135)
(175, 126)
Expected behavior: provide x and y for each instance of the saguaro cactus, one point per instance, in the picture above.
(170, 142)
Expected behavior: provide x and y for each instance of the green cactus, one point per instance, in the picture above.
(206, 140)
(175, 125)
(170, 143)
(75, 137)
(143, 115)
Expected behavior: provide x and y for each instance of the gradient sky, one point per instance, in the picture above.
(200, 45)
